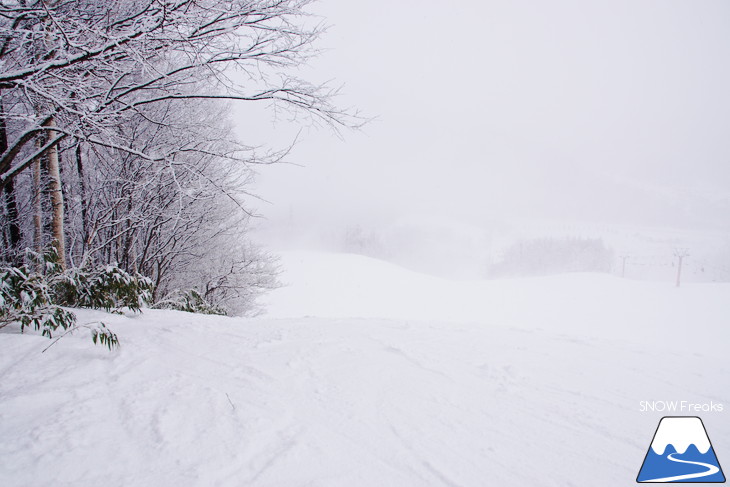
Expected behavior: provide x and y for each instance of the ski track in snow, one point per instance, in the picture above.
(209, 401)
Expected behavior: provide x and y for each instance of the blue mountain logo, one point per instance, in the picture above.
(681, 452)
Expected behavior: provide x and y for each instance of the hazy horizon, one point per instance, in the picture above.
(608, 112)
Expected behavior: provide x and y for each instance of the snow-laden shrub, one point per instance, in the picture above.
(25, 298)
(109, 288)
(190, 301)
(230, 283)
(35, 298)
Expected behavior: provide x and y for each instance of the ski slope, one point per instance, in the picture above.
(365, 374)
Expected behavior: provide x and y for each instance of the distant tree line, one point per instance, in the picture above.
(553, 255)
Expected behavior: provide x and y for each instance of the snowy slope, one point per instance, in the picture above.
(597, 305)
(365, 374)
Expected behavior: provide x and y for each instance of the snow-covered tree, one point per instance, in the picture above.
(113, 144)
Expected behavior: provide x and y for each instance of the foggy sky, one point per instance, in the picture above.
(612, 111)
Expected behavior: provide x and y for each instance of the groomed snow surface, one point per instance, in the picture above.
(364, 374)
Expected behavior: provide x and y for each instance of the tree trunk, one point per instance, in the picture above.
(58, 240)
(11, 205)
(82, 194)
(37, 206)
(12, 211)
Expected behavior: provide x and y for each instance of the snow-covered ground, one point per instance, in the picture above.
(365, 374)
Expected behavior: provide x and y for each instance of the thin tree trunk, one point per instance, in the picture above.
(12, 209)
(58, 239)
(37, 206)
(11, 205)
(82, 194)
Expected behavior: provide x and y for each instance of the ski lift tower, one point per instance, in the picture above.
(680, 254)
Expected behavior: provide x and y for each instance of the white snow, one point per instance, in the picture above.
(680, 432)
(365, 374)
